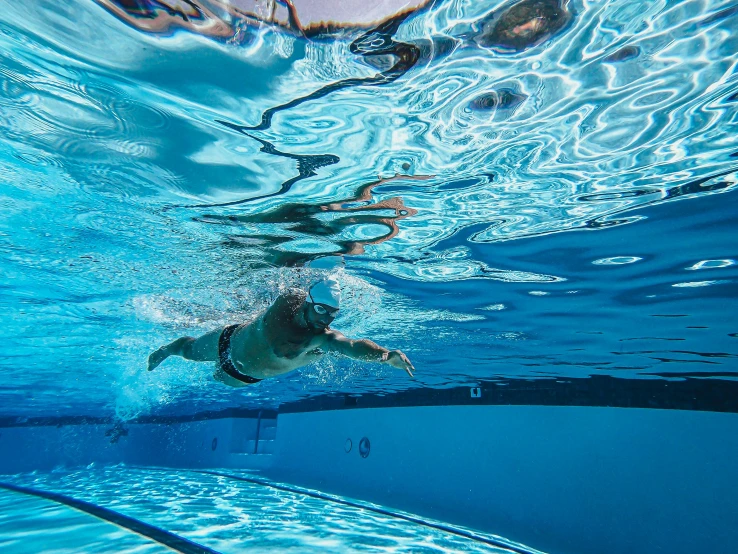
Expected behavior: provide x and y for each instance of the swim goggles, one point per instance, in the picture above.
(322, 309)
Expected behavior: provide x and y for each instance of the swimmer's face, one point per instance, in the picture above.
(319, 316)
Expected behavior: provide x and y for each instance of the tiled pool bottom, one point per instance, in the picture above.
(209, 512)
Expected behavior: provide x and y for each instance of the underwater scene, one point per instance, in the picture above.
(500, 202)
(214, 206)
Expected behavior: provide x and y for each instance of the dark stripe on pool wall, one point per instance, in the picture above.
(703, 392)
(492, 541)
(700, 393)
(175, 542)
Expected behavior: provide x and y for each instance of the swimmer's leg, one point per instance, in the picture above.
(202, 349)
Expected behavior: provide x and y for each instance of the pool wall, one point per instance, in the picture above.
(221, 442)
(563, 479)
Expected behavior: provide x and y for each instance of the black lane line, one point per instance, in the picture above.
(175, 542)
(512, 547)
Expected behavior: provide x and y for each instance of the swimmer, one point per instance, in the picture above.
(293, 332)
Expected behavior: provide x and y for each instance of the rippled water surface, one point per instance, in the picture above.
(553, 198)
(217, 512)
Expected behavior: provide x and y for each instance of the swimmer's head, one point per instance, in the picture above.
(323, 302)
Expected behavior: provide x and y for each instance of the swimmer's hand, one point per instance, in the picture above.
(157, 357)
(397, 359)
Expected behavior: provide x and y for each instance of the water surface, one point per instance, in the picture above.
(501, 210)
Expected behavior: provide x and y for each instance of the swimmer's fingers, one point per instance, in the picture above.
(402, 363)
(408, 366)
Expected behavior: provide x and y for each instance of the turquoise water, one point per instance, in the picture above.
(553, 211)
(215, 511)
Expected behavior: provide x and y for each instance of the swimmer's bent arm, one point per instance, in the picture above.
(363, 349)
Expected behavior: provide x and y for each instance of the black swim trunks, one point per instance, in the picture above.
(224, 357)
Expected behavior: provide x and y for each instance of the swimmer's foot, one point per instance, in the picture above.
(157, 357)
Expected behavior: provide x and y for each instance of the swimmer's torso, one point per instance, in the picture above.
(272, 343)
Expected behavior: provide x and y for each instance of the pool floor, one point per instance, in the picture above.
(212, 511)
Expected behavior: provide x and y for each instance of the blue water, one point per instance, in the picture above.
(561, 211)
(215, 511)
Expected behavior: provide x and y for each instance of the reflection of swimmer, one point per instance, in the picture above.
(293, 332)
(166, 15)
(347, 212)
(225, 19)
(524, 24)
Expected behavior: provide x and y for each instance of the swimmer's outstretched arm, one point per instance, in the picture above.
(363, 349)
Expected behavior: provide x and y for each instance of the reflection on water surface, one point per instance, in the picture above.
(168, 166)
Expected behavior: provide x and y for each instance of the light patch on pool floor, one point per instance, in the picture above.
(229, 515)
